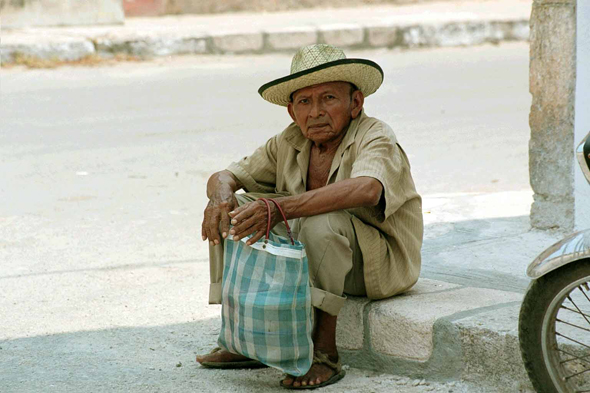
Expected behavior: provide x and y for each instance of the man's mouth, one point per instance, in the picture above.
(318, 125)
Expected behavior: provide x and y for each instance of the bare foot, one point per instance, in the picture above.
(221, 356)
(324, 340)
(317, 374)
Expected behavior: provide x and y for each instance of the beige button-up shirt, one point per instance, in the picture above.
(390, 234)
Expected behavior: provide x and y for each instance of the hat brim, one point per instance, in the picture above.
(364, 74)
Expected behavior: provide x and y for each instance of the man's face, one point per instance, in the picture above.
(324, 111)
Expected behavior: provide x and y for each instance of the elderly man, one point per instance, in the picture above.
(345, 185)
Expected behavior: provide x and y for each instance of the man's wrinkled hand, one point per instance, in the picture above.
(252, 218)
(216, 220)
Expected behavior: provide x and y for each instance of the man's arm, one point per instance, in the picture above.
(220, 191)
(220, 182)
(254, 173)
(345, 194)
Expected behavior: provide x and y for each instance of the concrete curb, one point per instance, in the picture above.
(438, 331)
(453, 33)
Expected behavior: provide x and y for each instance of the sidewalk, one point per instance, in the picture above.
(409, 26)
(460, 322)
(137, 327)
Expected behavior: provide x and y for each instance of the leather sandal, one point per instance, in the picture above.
(322, 358)
(233, 365)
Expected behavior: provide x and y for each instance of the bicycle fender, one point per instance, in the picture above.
(570, 249)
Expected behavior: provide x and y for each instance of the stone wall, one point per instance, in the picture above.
(552, 85)
(155, 7)
(24, 13)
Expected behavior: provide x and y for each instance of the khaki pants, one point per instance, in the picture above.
(333, 253)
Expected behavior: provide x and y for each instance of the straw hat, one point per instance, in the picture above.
(321, 63)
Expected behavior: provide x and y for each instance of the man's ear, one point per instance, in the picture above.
(356, 104)
(291, 113)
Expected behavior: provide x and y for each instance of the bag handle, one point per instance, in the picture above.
(265, 200)
(268, 215)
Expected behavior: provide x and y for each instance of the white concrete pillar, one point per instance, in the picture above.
(552, 85)
(582, 116)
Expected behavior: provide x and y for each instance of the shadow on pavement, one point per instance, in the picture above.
(146, 359)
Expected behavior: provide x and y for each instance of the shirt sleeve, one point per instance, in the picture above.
(380, 157)
(258, 172)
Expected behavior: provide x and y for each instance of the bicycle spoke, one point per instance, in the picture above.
(585, 295)
(575, 375)
(577, 312)
(578, 308)
(571, 324)
(571, 339)
(575, 357)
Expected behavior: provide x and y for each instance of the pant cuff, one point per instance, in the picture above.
(215, 293)
(326, 301)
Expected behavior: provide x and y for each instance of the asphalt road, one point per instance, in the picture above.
(103, 282)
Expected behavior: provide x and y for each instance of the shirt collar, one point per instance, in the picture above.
(350, 136)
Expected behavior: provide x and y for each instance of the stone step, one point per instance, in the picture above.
(438, 331)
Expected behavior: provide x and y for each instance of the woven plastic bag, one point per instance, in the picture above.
(266, 311)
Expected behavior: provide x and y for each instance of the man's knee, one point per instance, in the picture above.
(329, 241)
(323, 226)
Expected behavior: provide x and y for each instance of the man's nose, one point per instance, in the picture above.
(316, 109)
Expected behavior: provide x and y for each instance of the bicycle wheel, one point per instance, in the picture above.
(554, 330)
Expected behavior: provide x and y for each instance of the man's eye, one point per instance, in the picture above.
(303, 101)
(330, 97)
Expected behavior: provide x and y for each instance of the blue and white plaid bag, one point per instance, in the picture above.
(266, 302)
